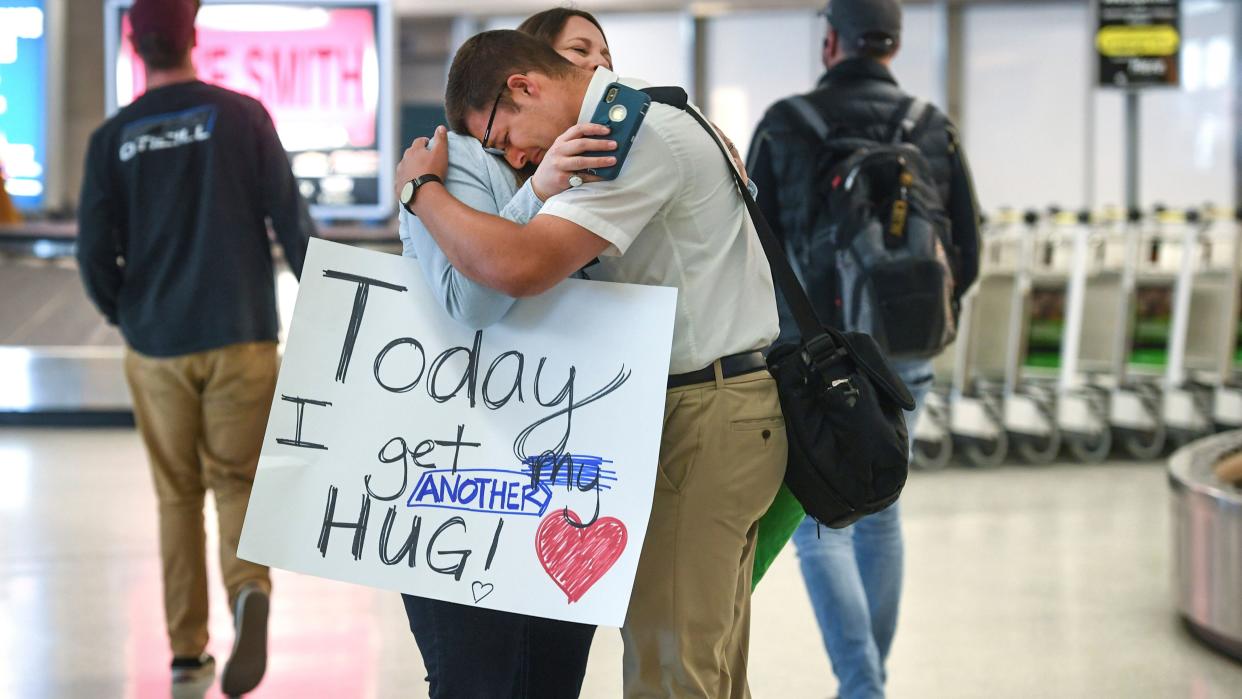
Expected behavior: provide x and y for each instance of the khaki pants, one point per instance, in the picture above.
(202, 417)
(722, 459)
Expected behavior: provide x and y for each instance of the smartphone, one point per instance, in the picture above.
(621, 109)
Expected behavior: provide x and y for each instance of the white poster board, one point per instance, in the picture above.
(511, 467)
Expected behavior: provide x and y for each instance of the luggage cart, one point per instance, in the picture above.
(1225, 263)
(933, 435)
(1200, 393)
(1135, 407)
(1088, 338)
(970, 405)
(1187, 402)
(1028, 391)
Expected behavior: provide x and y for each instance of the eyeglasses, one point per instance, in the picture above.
(487, 133)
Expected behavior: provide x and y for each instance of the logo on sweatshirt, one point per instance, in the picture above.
(167, 131)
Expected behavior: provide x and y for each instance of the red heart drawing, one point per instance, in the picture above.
(577, 557)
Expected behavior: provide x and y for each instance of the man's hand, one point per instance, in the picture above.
(565, 158)
(423, 157)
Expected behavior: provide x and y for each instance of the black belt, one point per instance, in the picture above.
(730, 366)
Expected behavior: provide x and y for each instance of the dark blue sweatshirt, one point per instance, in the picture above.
(173, 240)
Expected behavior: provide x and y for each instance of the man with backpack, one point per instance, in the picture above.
(869, 191)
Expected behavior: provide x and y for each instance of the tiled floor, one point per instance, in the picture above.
(1020, 583)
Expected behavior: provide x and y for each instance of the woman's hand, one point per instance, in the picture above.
(737, 159)
(565, 159)
(423, 157)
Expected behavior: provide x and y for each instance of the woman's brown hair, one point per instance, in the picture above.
(546, 26)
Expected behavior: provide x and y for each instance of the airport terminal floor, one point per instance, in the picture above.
(1072, 520)
(1020, 582)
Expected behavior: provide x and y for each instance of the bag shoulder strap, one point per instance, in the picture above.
(804, 313)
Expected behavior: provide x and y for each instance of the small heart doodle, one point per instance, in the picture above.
(481, 590)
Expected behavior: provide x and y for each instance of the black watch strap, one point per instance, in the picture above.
(419, 182)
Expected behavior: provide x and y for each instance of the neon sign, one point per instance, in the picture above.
(23, 100)
(318, 68)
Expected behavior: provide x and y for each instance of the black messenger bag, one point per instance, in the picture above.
(843, 404)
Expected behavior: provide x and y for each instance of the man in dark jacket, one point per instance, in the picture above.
(853, 575)
(173, 248)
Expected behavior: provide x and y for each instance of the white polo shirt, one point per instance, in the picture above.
(674, 218)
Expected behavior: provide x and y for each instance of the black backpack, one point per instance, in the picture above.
(876, 253)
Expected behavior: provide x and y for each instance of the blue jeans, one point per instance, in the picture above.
(853, 576)
(474, 653)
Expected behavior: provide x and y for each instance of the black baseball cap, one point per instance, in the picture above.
(862, 23)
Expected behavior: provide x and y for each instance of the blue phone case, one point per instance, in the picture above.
(621, 109)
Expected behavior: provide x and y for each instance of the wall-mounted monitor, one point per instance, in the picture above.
(322, 69)
(24, 100)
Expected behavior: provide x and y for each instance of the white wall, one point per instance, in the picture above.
(743, 80)
(1026, 77)
(919, 65)
(655, 47)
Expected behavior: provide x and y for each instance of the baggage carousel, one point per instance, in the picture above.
(1207, 541)
(60, 362)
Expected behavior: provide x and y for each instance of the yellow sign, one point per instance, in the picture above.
(1120, 41)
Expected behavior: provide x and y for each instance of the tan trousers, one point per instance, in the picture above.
(722, 459)
(202, 417)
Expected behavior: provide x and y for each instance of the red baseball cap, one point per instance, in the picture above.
(171, 20)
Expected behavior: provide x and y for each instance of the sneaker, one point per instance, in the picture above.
(193, 669)
(192, 677)
(248, 662)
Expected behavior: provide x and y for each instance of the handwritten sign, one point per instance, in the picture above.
(510, 467)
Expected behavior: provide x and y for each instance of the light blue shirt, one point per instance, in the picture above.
(484, 183)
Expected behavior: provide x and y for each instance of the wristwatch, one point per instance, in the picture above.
(410, 189)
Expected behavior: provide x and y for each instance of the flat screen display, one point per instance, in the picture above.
(23, 100)
(322, 71)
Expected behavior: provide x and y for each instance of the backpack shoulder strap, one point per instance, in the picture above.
(809, 115)
(919, 121)
(907, 117)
